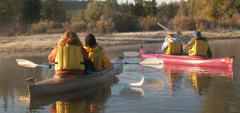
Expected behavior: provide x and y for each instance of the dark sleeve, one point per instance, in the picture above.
(209, 52)
(85, 54)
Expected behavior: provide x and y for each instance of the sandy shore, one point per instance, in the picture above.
(45, 42)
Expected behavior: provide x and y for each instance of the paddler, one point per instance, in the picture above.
(172, 45)
(69, 55)
(96, 53)
(198, 46)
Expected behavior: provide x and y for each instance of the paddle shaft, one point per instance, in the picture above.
(53, 67)
(171, 32)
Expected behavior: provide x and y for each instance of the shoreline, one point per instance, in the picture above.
(44, 43)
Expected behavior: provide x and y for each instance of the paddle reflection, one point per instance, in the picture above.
(132, 93)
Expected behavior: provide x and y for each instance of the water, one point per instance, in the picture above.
(171, 89)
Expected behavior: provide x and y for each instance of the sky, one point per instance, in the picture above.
(158, 1)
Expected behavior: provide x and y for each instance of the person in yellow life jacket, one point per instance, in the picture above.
(198, 46)
(96, 53)
(69, 55)
(172, 45)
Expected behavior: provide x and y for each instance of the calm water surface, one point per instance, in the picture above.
(171, 89)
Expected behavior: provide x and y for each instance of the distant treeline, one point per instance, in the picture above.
(74, 5)
(24, 17)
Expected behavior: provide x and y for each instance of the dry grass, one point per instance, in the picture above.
(45, 42)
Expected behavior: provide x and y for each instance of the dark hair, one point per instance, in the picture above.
(90, 40)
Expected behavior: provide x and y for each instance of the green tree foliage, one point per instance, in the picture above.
(150, 7)
(169, 10)
(125, 22)
(131, 9)
(139, 8)
(10, 11)
(93, 12)
(105, 25)
(53, 10)
(31, 10)
(110, 7)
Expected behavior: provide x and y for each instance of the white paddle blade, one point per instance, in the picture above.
(26, 63)
(131, 78)
(131, 53)
(153, 62)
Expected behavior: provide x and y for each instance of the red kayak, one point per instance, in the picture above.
(201, 61)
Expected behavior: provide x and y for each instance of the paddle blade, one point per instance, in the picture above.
(153, 62)
(131, 78)
(26, 63)
(131, 53)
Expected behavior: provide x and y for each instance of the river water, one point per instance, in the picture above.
(171, 89)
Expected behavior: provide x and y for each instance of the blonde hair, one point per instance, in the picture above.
(69, 37)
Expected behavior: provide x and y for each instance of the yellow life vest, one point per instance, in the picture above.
(96, 58)
(69, 57)
(71, 106)
(174, 48)
(199, 49)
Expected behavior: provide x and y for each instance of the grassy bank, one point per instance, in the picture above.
(46, 42)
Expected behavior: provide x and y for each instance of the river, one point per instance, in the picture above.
(168, 90)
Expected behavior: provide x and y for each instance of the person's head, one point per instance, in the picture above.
(90, 40)
(170, 35)
(70, 37)
(197, 34)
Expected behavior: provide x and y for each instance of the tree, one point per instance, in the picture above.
(93, 11)
(53, 10)
(110, 7)
(169, 10)
(213, 9)
(31, 11)
(150, 7)
(10, 11)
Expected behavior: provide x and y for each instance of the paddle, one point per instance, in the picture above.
(134, 79)
(171, 32)
(134, 53)
(150, 62)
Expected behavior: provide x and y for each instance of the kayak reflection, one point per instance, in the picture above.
(199, 77)
(208, 71)
(85, 100)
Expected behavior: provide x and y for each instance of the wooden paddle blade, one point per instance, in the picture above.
(153, 62)
(26, 63)
(131, 53)
(131, 78)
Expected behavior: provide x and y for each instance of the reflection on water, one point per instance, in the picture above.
(174, 88)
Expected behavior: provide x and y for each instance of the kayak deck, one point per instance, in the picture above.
(189, 60)
(58, 84)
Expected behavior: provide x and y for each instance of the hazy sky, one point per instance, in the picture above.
(158, 1)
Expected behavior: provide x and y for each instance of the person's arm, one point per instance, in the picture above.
(85, 53)
(165, 46)
(53, 54)
(106, 62)
(189, 45)
(209, 52)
